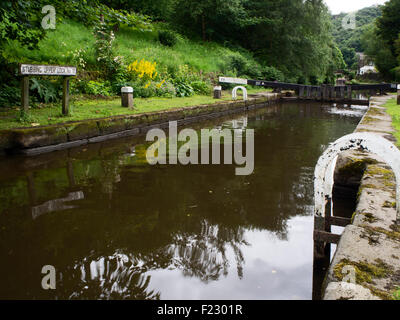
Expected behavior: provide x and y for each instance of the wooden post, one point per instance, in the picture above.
(324, 92)
(301, 92)
(217, 92)
(342, 92)
(27, 70)
(349, 93)
(65, 99)
(25, 93)
(330, 92)
(308, 92)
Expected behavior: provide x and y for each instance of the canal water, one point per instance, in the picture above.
(114, 227)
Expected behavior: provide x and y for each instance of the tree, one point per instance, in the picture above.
(212, 19)
(380, 41)
(20, 21)
(292, 35)
(379, 51)
(388, 26)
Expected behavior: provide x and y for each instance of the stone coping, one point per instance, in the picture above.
(42, 139)
(370, 246)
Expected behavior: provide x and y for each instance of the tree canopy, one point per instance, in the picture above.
(381, 41)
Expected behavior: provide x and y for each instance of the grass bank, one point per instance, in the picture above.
(82, 109)
(72, 39)
(394, 110)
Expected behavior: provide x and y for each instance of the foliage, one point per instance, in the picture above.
(291, 35)
(97, 88)
(388, 25)
(380, 41)
(261, 39)
(45, 90)
(349, 40)
(20, 21)
(104, 53)
(272, 74)
(167, 38)
(183, 89)
(24, 117)
(396, 294)
(201, 87)
(210, 19)
(143, 69)
(379, 51)
(9, 95)
(157, 9)
(237, 63)
(90, 12)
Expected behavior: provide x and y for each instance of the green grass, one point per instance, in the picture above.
(394, 110)
(59, 45)
(82, 109)
(396, 294)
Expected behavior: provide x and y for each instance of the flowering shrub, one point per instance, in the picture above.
(105, 57)
(166, 89)
(144, 70)
(79, 58)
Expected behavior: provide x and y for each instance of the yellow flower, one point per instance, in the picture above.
(160, 84)
(147, 85)
(143, 69)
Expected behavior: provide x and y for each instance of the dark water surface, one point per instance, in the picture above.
(115, 227)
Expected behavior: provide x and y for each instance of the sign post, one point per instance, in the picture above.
(25, 93)
(27, 70)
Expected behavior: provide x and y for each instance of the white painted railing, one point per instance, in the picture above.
(234, 92)
(324, 171)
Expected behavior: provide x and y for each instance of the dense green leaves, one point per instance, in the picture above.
(349, 40)
(380, 41)
(283, 40)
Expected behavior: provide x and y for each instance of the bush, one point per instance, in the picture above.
(97, 88)
(166, 89)
(183, 89)
(272, 74)
(9, 95)
(201, 87)
(237, 63)
(45, 91)
(167, 38)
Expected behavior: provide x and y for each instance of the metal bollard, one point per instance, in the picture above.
(127, 97)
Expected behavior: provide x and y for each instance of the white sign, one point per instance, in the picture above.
(398, 87)
(232, 80)
(45, 70)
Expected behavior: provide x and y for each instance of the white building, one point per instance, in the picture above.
(368, 69)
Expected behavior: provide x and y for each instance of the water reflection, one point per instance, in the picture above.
(57, 204)
(133, 231)
(115, 277)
